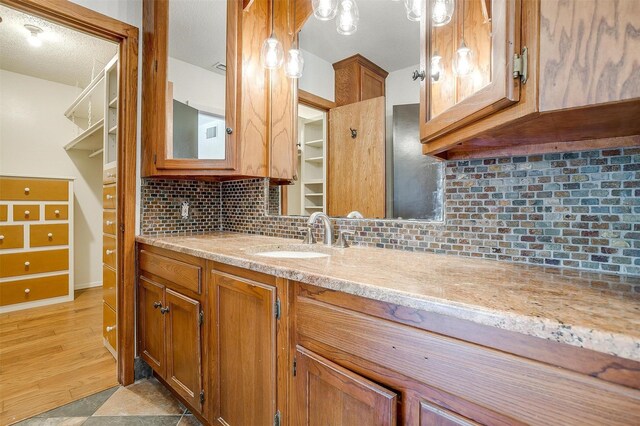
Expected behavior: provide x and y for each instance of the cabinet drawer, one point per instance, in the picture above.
(4, 213)
(49, 235)
(109, 250)
(56, 212)
(109, 197)
(11, 236)
(109, 326)
(109, 286)
(109, 175)
(109, 222)
(33, 189)
(24, 212)
(12, 292)
(177, 272)
(34, 262)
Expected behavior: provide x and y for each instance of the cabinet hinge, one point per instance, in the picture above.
(520, 68)
(276, 419)
(202, 396)
(201, 318)
(295, 366)
(155, 158)
(277, 309)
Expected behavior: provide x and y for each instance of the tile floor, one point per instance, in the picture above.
(144, 403)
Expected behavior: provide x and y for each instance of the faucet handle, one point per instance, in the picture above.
(342, 240)
(309, 238)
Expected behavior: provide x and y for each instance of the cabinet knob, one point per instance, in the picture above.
(56, 212)
(418, 75)
(229, 130)
(109, 252)
(109, 197)
(26, 190)
(157, 305)
(109, 174)
(164, 310)
(110, 328)
(27, 291)
(1, 237)
(27, 212)
(108, 223)
(27, 264)
(50, 235)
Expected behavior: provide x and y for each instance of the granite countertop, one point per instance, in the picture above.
(562, 305)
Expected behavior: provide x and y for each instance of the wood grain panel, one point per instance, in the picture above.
(109, 222)
(56, 212)
(4, 212)
(151, 325)
(26, 212)
(432, 414)
(109, 286)
(34, 262)
(180, 273)
(523, 390)
(589, 52)
(372, 85)
(32, 289)
(49, 235)
(109, 254)
(109, 326)
(11, 236)
(109, 197)
(357, 166)
(33, 189)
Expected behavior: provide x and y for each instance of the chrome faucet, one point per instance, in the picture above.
(328, 233)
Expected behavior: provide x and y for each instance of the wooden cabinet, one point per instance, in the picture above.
(327, 394)
(358, 79)
(151, 324)
(580, 92)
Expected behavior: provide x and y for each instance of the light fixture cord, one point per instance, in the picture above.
(273, 14)
(463, 1)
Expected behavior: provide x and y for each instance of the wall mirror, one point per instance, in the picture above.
(359, 150)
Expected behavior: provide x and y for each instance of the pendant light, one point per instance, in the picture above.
(442, 12)
(325, 10)
(295, 61)
(436, 67)
(462, 64)
(272, 53)
(348, 17)
(414, 9)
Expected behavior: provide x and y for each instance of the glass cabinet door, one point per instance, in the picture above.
(468, 59)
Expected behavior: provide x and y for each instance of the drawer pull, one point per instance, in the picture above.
(110, 328)
(27, 212)
(1, 237)
(57, 212)
(26, 190)
(157, 305)
(27, 264)
(109, 197)
(109, 252)
(108, 223)
(50, 235)
(27, 291)
(164, 310)
(109, 174)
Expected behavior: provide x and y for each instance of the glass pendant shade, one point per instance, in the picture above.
(272, 53)
(436, 67)
(414, 9)
(441, 12)
(325, 10)
(462, 62)
(295, 64)
(348, 17)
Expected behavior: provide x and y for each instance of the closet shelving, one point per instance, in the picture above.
(313, 164)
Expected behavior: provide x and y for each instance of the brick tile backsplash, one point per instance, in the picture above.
(577, 210)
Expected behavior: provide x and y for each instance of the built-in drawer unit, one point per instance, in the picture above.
(109, 197)
(109, 286)
(109, 222)
(49, 235)
(109, 328)
(4, 212)
(11, 236)
(19, 189)
(24, 212)
(56, 212)
(33, 262)
(33, 289)
(109, 251)
(181, 273)
(109, 175)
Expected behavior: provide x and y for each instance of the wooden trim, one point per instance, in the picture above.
(315, 101)
(88, 21)
(358, 58)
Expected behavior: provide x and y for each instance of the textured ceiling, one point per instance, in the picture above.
(385, 36)
(197, 31)
(66, 56)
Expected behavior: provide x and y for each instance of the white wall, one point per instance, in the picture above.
(33, 132)
(318, 77)
(197, 87)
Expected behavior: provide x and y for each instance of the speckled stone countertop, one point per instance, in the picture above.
(566, 306)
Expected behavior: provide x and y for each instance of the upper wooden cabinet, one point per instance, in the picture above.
(222, 119)
(581, 90)
(358, 79)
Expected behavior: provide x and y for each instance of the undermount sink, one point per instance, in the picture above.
(291, 251)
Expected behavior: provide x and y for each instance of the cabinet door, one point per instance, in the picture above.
(468, 63)
(327, 394)
(184, 366)
(244, 353)
(432, 414)
(151, 328)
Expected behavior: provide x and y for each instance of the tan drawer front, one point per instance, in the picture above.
(109, 286)
(4, 213)
(109, 197)
(109, 176)
(35, 262)
(11, 236)
(109, 326)
(177, 272)
(109, 222)
(33, 189)
(56, 212)
(109, 251)
(12, 292)
(26, 212)
(49, 235)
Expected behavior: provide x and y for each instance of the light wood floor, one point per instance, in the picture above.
(53, 355)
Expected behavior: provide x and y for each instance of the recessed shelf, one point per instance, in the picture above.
(96, 153)
(317, 142)
(313, 207)
(314, 194)
(80, 106)
(113, 129)
(89, 140)
(113, 103)
(313, 182)
(314, 159)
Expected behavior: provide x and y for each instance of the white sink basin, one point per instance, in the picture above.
(291, 251)
(287, 254)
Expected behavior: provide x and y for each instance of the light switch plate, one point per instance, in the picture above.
(184, 210)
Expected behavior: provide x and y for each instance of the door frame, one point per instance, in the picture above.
(88, 21)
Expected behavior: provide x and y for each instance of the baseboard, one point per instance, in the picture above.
(87, 285)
